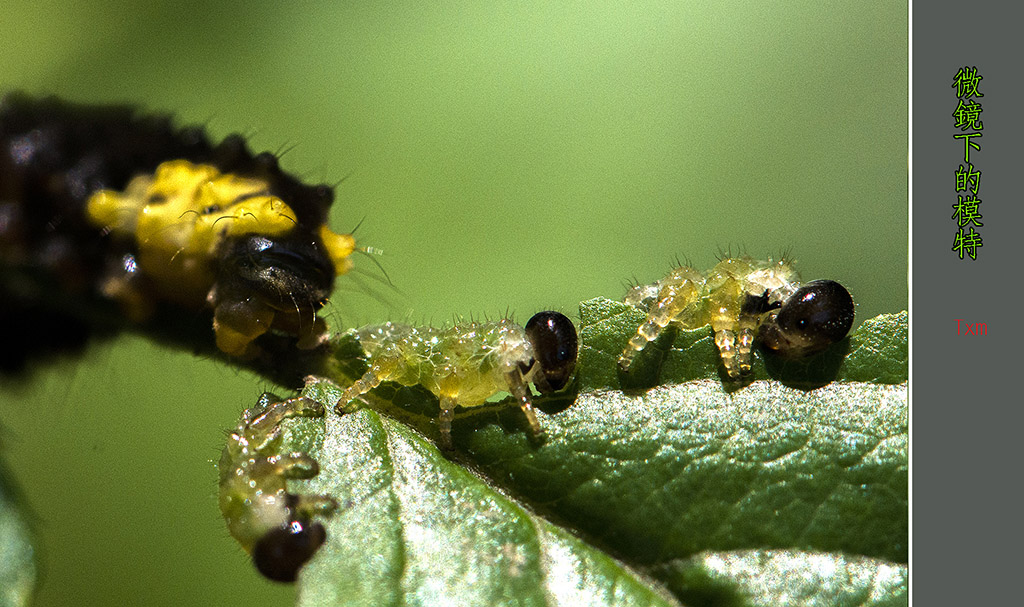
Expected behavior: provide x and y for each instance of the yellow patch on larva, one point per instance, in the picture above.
(179, 215)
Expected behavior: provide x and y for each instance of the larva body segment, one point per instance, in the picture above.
(110, 217)
(465, 364)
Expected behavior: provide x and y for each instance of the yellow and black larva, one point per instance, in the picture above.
(111, 217)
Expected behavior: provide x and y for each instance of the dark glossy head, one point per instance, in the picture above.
(555, 345)
(816, 316)
(282, 551)
(286, 272)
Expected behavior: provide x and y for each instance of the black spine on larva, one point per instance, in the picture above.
(53, 156)
(105, 146)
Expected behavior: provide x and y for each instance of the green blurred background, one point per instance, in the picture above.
(516, 157)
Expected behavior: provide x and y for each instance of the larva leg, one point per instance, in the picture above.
(647, 333)
(674, 299)
(521, 392)
(265, 425)
(300, 466)
(725, 313)
(364, 384)
(262, 423)
(736, 328)
(725, 341)
(749, 321)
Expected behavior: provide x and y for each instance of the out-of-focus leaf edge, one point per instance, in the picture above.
(17, 556)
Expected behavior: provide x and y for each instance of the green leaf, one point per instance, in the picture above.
(417, 529)
(17, 558)
(769, 578)
(689, 467)
(653, 477)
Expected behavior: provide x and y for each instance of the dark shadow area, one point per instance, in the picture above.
(808, 373)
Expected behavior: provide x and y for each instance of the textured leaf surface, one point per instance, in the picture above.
(417, 529)
(664, 479)
(766, 578)
(688, 467)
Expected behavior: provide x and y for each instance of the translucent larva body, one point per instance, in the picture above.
(465, 364)
(278, 528)
(742, 299)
